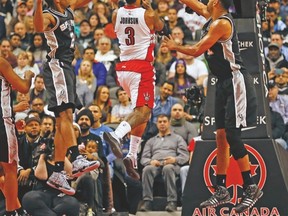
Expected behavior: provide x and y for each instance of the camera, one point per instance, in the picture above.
(49, 145)
(194, 95)
(195, 102)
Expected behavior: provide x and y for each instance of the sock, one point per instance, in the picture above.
(20, 210)
(10, 213)
(59, 166)
(221, 180)
(122, 129)
(247, 178)
(134, 144)
(74, 152)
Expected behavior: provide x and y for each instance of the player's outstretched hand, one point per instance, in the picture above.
(169, 42)
(29, 74)
(147, 4)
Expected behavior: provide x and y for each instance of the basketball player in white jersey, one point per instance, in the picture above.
(135, 27)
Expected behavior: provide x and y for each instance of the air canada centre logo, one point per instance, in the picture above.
(234, 180)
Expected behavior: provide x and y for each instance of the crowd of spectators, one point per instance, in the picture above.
(106, 104)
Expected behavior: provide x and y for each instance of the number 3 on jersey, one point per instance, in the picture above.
(131, 36)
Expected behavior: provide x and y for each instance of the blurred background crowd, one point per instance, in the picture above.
(106, 103)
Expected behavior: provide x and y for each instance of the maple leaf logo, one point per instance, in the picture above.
(234, 180)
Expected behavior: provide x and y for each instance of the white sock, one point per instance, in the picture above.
(134, 145)
(122, 129)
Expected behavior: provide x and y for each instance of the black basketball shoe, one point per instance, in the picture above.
(220, 196)
(251, 194)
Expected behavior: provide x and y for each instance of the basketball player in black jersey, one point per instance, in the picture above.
(235, 102)
(57, 23)
(9, 143)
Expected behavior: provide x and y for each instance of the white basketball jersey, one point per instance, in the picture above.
(136, 40)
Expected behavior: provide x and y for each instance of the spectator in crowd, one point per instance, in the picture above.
(23, 64)
(86, 83)
(193, 21)
(180, 126)
(94, 21)
(30, 7)
(22, 103)
(274, 58)
(279, 104)
(281, 80)
(174, 20)
(121, 109)
(37, 104)
(28, 151)
(103, 12)
(98, 129)
(47, 124)
(105, 54)
(162, 155)
(278, 128)
(102, 99)
(39, 88)
(38, 48)
(284, 9)
(85, 35)
(187, 131)
(20, 29)
(29, 25)
(78, 17)
(272, 16)
(276, 37)
(6, 7)
(43, 199)
(178, 35)
(194, 68)
(164, 102)
(97, 34)
(21, 10)
(181, 80)
(99, 70)
(6, 53)
(162, 9)
(165, 57)
(15, 41)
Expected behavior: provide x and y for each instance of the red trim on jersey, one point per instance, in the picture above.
(130, 7)
(150, 50)
(138, 66)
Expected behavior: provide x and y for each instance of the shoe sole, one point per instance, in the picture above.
(130, 170)
(58, 187)
(114, 145)
(85, 170)
(252, 204)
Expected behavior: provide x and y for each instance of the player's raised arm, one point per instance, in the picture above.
(21, 85)
(41, 21)
(75, 4)
(214, 34)
(152, 19)
(198, 7)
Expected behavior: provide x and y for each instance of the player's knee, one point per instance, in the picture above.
(237, 147)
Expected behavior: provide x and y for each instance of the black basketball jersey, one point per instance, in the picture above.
(224, 56)
(61, 37)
